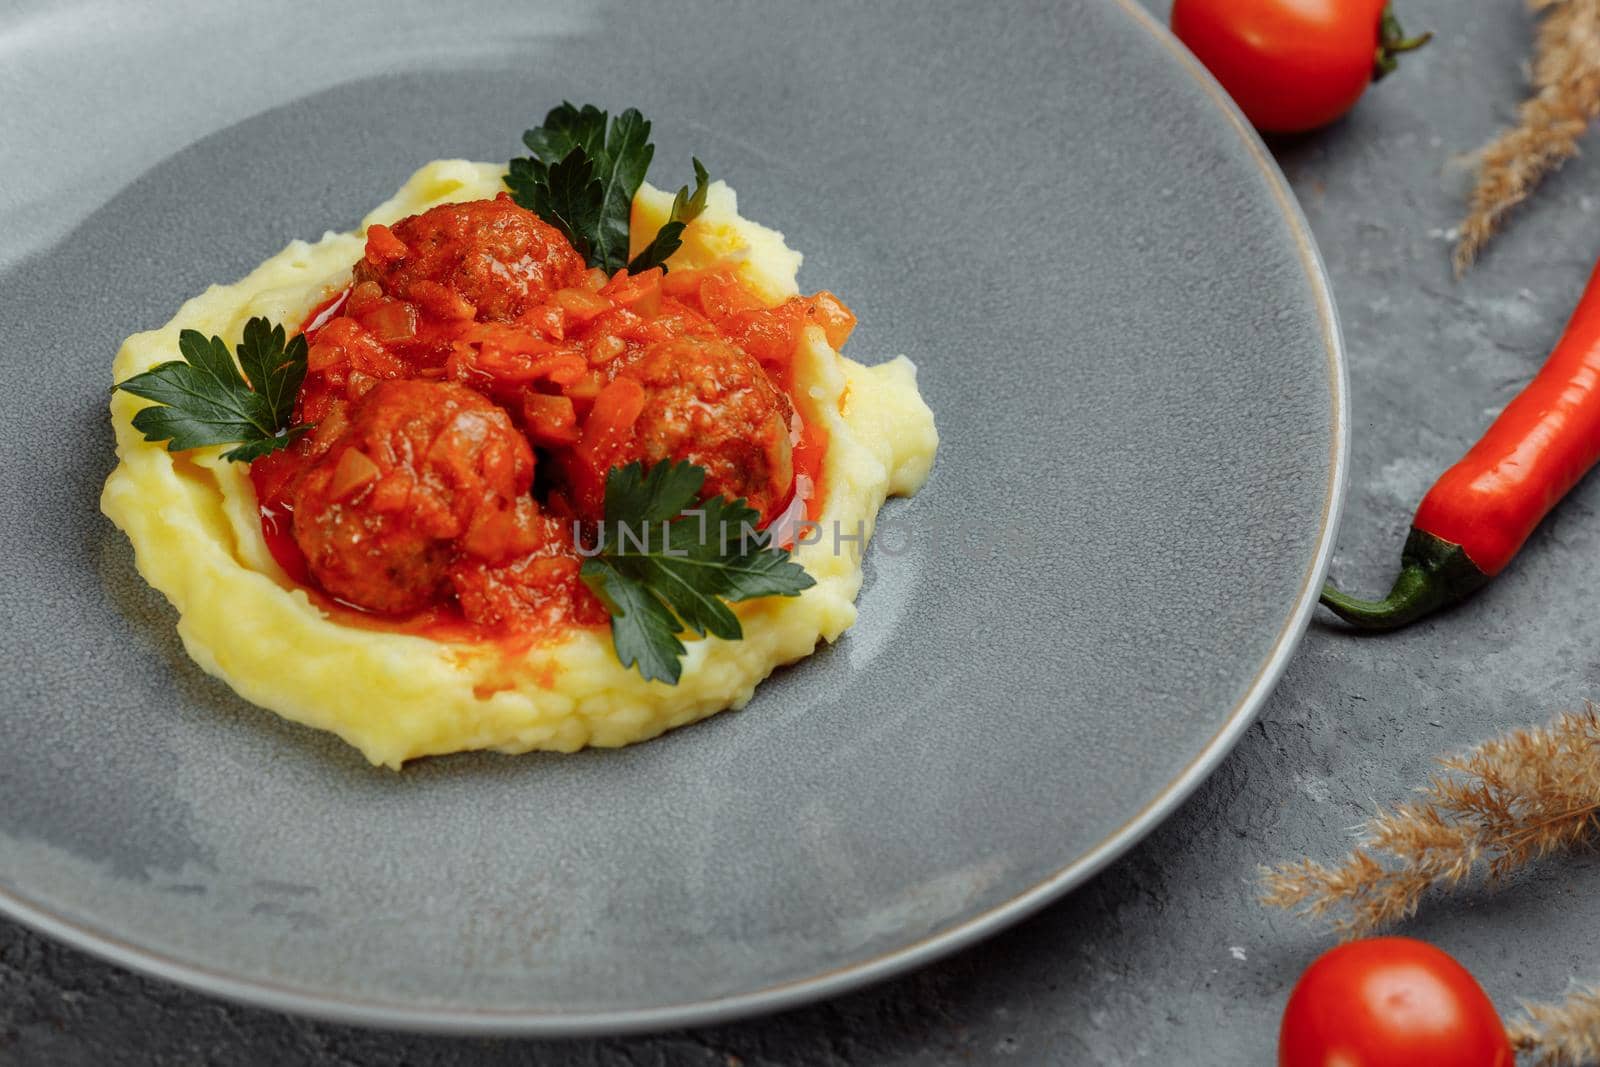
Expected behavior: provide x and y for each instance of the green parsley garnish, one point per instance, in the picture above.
(665, 566)
(202, 399)
(582, 177)
(686, 207)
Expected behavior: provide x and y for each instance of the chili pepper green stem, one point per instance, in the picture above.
(1434, 573)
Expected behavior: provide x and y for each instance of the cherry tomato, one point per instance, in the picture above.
(1390, 1002)
(1292, 65)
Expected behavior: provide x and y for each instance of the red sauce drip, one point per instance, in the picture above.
(276, 528)
(809, 456)
(550, 369)
(323, 312)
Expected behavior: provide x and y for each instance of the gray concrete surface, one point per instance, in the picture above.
(1166, 959)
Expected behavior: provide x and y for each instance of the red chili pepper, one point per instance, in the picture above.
(1476, 517)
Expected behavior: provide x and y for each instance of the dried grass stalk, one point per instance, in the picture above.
(1494, 809)
(1566, 82)
(1560, 1035)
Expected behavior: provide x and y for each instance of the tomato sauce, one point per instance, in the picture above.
(534, 372)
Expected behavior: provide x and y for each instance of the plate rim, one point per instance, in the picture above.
(269, 995)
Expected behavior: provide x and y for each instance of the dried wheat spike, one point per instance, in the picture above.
(1498, 807)
(1560, 1035)
(1566, 83)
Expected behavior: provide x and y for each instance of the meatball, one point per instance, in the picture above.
(425, 473)
(486, 259)
(708, 402)
(540, 588)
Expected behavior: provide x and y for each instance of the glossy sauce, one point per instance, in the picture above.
(557, 366)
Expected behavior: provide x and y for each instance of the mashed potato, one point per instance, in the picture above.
(195, 528)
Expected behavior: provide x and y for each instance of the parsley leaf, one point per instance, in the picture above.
(686, 207)
(666, 566)
(643, 629)
(566, 128)
(203, 399)
(569, 198)
(625, 160)
(582, 177)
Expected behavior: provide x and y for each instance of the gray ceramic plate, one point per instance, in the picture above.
(1122, 327)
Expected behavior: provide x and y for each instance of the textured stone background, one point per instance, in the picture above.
(1165, 958)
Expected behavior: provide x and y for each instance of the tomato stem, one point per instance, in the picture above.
(1393, 43)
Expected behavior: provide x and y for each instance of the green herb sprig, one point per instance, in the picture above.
(666, 566)
(582, 177)
(686, 207)
(203, 399)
